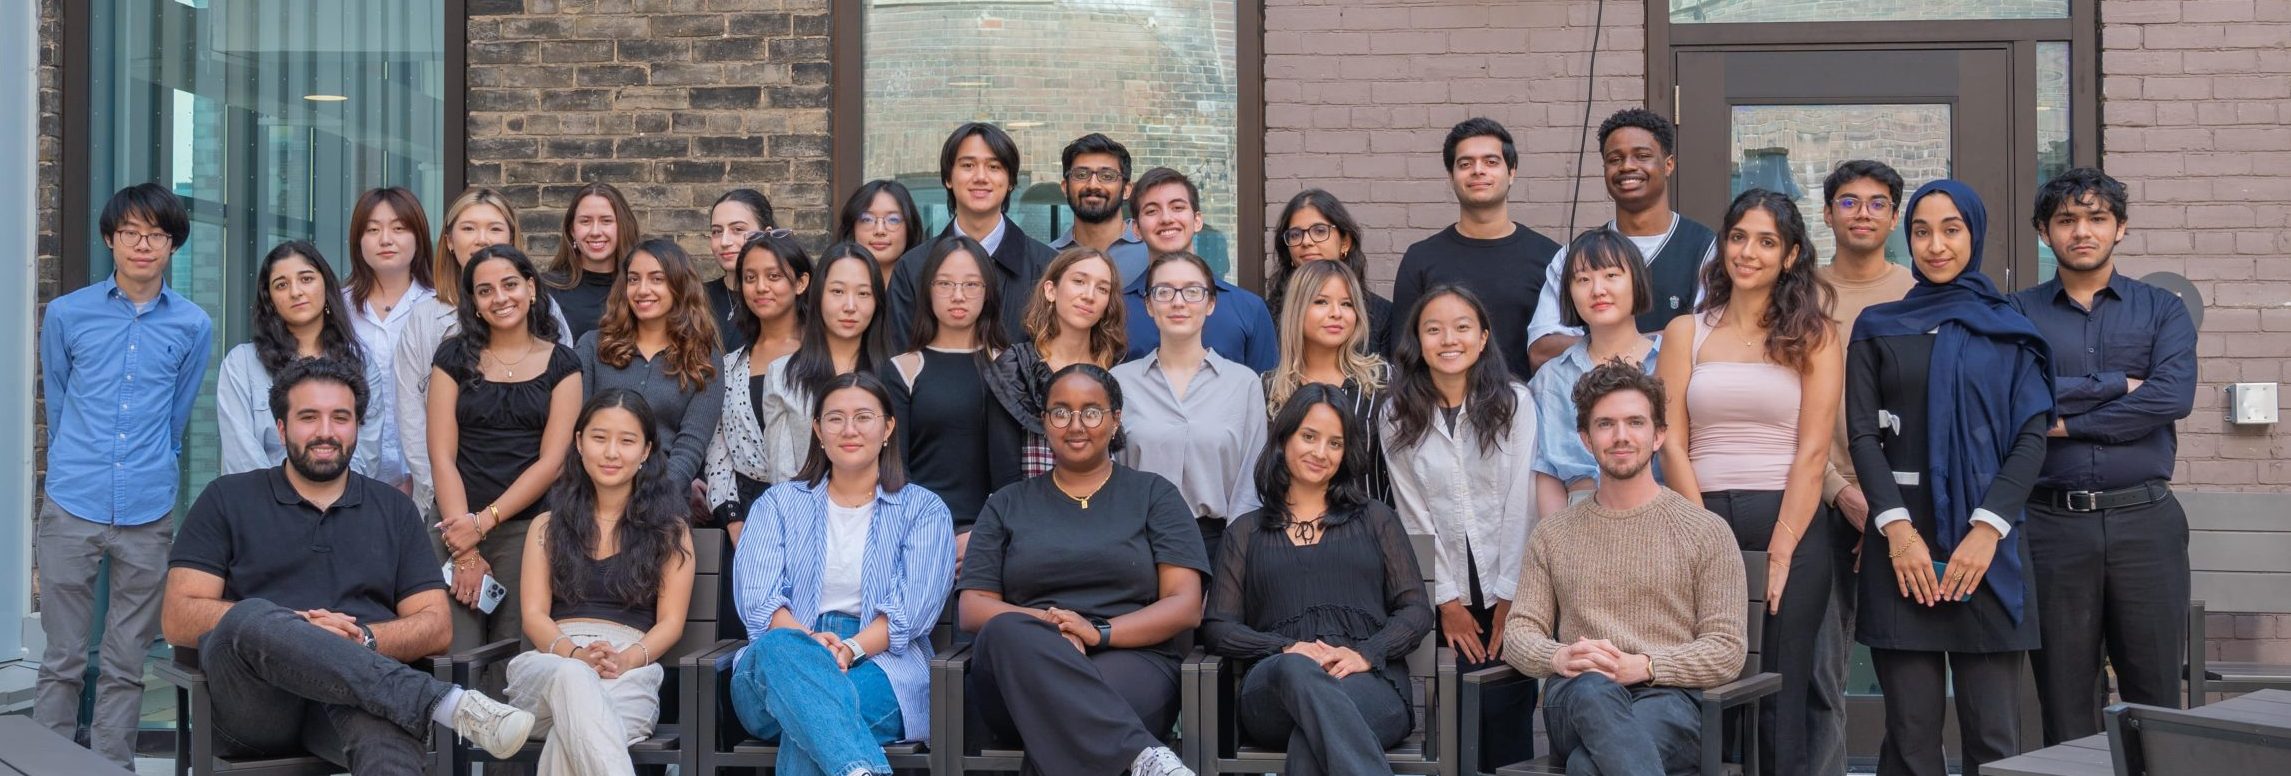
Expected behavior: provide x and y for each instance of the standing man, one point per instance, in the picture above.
(1167, 207)
(121, 362)
(1502, 261)
(979, 167)
(1097, 187)
(1636, 159)
(2108, 540)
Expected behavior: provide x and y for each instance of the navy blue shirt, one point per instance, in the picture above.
(2117, 438)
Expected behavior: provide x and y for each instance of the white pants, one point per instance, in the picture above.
(593, 719)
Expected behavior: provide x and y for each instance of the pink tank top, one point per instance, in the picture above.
(1744, 420)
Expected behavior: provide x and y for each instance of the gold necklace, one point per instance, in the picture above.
(507, 366)
(1083, 499)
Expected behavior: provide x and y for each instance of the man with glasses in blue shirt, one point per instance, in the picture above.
(1097, 186)
(121, 362)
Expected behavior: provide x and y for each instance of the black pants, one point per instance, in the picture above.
(1327, 725)
(1787, 719)
(2115, 582)
(1074, 714)
(283, 686)
(1507, 712)
(1212, 536)
(1987, 686)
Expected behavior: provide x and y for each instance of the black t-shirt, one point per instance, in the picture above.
(1038, 548)
(584, 303)
(359, 557)
(1506, 274)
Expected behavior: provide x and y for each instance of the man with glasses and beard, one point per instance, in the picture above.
(305, 589)
(1097, 187)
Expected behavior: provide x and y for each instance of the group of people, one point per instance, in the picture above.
(1094, 453)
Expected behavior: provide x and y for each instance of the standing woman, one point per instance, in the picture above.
(957, 440)
(1320, 593)
(1075, 317)
(599, 231)
(1458, 433)
(840, 588)
(1948, 396)
(298, 314)
(1316, 227)
(735, 216)
(881, 215)
(845, 335)
(606, 583)
(502, 400)
(1194, 417)
(1081, 586)
(390, 265)
(1606, 288)
(1754, 390)
(659, 340)
(774, 272)
(1324, 340)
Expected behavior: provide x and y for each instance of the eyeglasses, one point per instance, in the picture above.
(1191, 294)
(837, 422)
(1873, 204)
(1294, 237)
(1091, 417)
(947, 288)
(1103, 174)
(869, 221)
(129, 238)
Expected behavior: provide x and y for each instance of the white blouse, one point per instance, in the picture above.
(1468, 500)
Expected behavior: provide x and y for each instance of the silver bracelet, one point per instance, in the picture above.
(647, 653)
(553, 644)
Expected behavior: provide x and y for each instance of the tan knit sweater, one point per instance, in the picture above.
(1664, 580)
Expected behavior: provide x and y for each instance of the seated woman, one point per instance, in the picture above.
(1080, 586)
(1320, 593)
(607, 578)
(840, 585)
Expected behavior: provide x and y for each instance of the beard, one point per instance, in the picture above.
(1625, 470)
(1098, 215)
(315, 470)
(2098, 260)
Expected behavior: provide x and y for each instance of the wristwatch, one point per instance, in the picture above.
(366, 637)
(858, 653)
(1105, 633)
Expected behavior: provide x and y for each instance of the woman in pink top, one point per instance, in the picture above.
(1757, 395)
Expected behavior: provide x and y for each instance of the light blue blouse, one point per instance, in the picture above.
(1558, 451)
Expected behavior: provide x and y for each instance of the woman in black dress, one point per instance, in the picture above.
(1947, 400)
(1319, 593)
(957, 440)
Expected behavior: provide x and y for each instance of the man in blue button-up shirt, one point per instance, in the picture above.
(2108, 541)
(1167, 208)
(121, 361)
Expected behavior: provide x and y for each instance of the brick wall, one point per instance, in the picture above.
(48, 191)
(672, 101)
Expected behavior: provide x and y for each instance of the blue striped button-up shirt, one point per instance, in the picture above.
(120, 382)
(908, 567)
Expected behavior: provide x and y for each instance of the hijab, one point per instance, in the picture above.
(1989, 374)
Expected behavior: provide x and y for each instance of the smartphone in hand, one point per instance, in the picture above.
(1940, 571)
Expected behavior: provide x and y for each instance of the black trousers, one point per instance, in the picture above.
(1788, 722)
(1987, 686)
(1507, 712)
(2113, 584)
(1328, 726)
(1074, 714)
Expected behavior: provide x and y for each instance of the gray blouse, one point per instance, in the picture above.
(687, 418)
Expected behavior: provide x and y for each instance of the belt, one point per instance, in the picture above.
(2148, 492)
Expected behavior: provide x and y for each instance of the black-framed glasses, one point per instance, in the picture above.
(1191, 294)
(1295, 236)
(129, 238)
(869, 221)
(1103, 174)
(1091, 417)
(1876, 205)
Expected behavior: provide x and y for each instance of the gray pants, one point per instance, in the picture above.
(69, 552)
(282, 686)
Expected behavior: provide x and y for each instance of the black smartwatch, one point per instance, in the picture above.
(366, 637)
(1105, 633)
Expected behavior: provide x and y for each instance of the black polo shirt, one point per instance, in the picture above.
(359, 557)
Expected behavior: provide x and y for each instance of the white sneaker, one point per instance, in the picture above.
(498, 728)
(1159, 761)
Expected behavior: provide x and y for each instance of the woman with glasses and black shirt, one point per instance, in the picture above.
(1316, 227)
(881, 216)
(958, 441)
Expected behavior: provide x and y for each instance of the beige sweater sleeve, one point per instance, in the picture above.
(1527, 642)
(1716, 654)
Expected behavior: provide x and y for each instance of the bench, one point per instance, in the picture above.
(28, 749)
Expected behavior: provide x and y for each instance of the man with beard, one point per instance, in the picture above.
(1502, 261)
(979, 166)
(1167, 207)
(1643, 590)
(305, 588)
(1097, 185)
(1636, 159)
(2107, 539)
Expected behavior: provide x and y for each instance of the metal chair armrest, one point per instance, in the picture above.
(949, 709)
(460, 666)
(1743, 690)
(180, 675)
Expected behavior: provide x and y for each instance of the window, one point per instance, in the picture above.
(1723, 11)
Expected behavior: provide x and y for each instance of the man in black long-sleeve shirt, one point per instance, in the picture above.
(1500, 260)
(2109, 542)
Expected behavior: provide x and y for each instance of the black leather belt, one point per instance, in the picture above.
(2099, 500)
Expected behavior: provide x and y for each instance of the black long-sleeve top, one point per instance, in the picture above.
(2117, 438)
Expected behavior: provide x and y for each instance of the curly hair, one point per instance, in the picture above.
(692, 336)
(1797, 319)
(1614, 376)
(1666, 133)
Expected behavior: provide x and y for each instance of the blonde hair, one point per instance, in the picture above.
(443, 264)
(1109, 339)
(1354, 359)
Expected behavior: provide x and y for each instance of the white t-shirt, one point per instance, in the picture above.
(846, 555)
(1546, 318)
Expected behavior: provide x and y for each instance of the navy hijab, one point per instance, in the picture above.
(1988, 376)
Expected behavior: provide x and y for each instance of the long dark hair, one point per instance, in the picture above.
(1414, 398)
(814, 363)
(1797, 316)
(651, 525)
(692, 336)
(408, 210)
(1345, 494)
(792, 260)
(988, 326)
(274, 344)
(847, 221)
(475, 333)
(754, 201)
(1277, 288)
(890, 470)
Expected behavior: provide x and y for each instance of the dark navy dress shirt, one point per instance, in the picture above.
(2117, 438)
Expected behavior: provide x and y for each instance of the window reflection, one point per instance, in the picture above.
(1720, 11)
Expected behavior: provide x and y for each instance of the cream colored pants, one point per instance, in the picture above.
(588, 721)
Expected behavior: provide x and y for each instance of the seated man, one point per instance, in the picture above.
(306, 587)
(1646, 591)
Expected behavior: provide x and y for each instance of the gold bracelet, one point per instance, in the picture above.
(1785, 525)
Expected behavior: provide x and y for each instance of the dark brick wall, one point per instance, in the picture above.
(48, 189)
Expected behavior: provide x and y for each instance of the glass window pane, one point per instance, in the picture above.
(2052, 149)
(1720, 11)
(1155, 75)
(1793, 148)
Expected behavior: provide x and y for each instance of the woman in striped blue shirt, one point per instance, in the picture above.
(840, 586)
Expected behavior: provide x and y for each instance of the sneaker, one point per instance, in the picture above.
(498, 728)
(1159, 761)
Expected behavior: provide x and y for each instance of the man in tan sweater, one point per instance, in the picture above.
(1643, 591)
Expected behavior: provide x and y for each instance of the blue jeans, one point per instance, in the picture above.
(827, 722)
(1600, 728)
